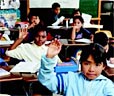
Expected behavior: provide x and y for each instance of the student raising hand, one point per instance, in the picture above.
(54, 48)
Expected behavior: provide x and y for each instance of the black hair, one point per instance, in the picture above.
(55, 5)
(96, 50)
(39, 28)
(75, 11)
(101, 38)
(78, 17)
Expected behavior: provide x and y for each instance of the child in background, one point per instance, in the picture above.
(103, 40)
(54, 15)
(78, 31)
(89, 82)
(34, 20)
(76, 12)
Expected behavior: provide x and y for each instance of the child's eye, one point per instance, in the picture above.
(99, 64)
(86, 63)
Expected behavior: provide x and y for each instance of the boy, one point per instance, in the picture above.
(89, 82)
(30, 52)
(103, 40)
(54, 14)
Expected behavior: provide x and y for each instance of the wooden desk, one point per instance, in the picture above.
(70, 44)
(10, 77)
(5, 46)
(109, 71)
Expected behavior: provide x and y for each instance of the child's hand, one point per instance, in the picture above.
(76, 28)
(23, 33)
(112, 60)
(32, 25)
(54, 48)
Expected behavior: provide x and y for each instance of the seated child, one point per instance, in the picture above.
(103, 40)
(78, 31)
(88, 82)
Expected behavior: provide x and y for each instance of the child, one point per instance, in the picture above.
(34, 21)
(76, 12)
(54, 15)
(29, 52)
(89, 82)
(78, 31)
(102, 39)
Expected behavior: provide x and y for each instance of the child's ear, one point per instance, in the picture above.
(104, 66)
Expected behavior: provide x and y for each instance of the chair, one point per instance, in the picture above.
(107, 32)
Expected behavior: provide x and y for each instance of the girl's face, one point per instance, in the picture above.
(90, 69)
(35, 19)
(77, 23)
(40, 38)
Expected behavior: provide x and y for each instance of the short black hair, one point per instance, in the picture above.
(78, 17)
(96, 50)
(55, 5)
(75, 11)
(101, 38)
(39, 28)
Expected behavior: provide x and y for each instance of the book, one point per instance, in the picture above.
(26, 67)
(4, 73)
(66, 67)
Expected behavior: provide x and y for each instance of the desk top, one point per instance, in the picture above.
(109, 71)
(11, 77)
(69, 42)
(85, 26)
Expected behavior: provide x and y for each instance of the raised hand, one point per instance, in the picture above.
(23, 33)
(54, 48)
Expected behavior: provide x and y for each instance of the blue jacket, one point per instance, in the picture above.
(73, 84)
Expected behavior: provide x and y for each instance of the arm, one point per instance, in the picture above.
(47, 66)
(73, 34)
(22, 34)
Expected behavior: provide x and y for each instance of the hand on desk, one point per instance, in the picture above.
(112, 60)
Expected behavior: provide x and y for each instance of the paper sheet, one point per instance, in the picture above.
(31, 67)
(84, 40)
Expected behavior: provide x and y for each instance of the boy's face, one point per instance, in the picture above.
(90, 69)
(40, 38)
(57, 10)
(77, 23)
